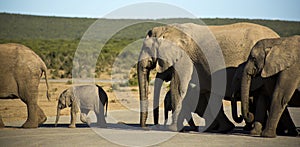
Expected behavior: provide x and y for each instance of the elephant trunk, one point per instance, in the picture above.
(245, 88)
(143, 79)
(57, 115)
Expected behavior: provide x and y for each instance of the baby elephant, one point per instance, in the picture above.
(84, 98)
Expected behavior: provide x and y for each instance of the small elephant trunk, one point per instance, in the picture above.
(245, 88)
(57, 116)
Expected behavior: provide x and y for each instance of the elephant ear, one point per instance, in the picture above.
(168, 55)
(277, 59)
(69, 97)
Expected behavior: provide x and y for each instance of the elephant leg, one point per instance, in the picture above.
(192, 123)
(157, 87)
(282, 94)
(31, 121)
(166, 116)
(1, 122)
(260, 115)
(83, 116)
(176, 100)
(73, 117)
(28, 92)
(101, 122)
(41, 115)
(218, 122)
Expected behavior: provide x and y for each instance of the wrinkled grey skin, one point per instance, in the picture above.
(235, 41)
(261, 90)
(168, 107)
(85, 98)
(273, 57)
(20, 74)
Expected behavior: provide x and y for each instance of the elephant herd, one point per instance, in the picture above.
(205, 64)
(242, 61)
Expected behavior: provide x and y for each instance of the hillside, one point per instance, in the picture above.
(56, 39)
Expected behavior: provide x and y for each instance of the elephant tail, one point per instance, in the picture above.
(106, 109)
(44, 70)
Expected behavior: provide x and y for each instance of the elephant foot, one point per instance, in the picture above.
(256, 131)
(42, 120)
(88, 121)
(173, 127)
(30, 124)
(146, 128)
(72, 126)
(41, 117)
(1, 123)
(101, 125)
(269, 133)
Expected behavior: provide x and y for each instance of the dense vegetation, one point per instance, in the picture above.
(56, 39)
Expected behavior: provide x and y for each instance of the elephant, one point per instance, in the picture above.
(85, 98)
(277, 58)
(261, 90)
(168, 107)
(186, 47)
(20, 74)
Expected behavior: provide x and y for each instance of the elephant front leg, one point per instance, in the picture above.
(261, 108)
(73, 118)
(177, 119)
(281, 96)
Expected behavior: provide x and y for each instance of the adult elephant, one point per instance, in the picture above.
(273, 57)
(198, 46)
(20, 74)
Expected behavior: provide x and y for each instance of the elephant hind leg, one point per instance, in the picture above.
(31, 121)
(28, 93)
(101, 122)
(84, 118)
(41, 116)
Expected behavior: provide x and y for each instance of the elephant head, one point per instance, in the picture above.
(65, 100)
(267, 58)
(161, 50)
